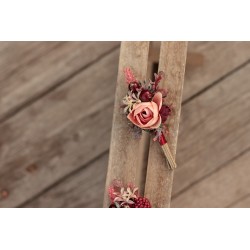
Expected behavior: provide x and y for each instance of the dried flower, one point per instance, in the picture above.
(130, 78)
(144, 105)
(158, 78)
(164, 112)
(126, 196)
(129, 100)
(146, 96)
(146, 115)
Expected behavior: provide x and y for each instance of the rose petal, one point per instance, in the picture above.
(131, 117)
(146, 115)
(138, 108)
(154, 108)
(157, 124)
(158, 99)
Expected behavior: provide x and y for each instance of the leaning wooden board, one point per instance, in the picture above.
(124, 156)
(125, 150)
(159, 178)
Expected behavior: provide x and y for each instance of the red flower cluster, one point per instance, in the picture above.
(143, 103)
(146, 90)
(126, 197)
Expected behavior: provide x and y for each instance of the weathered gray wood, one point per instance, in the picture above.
(82, 189)
(16, 177)
(124, 148)
(221, 188)
(59, 133)
(215, 128)
(23, 83)
(243, 202)
(15, 56)
(209, 61)
(159, 178)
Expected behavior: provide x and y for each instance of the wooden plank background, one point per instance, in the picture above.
(56, 108)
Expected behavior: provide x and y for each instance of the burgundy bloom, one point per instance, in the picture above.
(158, 78)
(146, 96)
(134, 87)
(164, 112)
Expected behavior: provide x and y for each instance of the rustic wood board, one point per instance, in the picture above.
(43, 72)
(208, 62)
(212, 132)
(220, 188)
(243, 202)
(14, 56)
(124, 148)
(52, 133)
(80, 189)
(196, 71)
(159, 178)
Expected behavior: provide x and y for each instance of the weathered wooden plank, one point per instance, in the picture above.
(81, 189)
(30, 81)
(58, 133)
(209, 61)
(195, 68)
(159, 178)
(124, 157)
(243, 202)
(215, 128)
(221, 188)
(14, 56)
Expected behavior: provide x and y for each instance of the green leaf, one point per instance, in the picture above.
(117, 204)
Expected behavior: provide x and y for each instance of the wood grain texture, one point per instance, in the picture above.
(159, 178)
(243, 202)
(207, 62)
(220, 188)
(58, 133)
(22, 84)
(203, 68)
(215, 128)
(15, 56)
(124, 156)
(80, 189)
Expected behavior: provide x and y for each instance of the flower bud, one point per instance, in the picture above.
(164, 112)
(146, 96)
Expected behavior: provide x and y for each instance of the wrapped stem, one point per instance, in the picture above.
(167, 152)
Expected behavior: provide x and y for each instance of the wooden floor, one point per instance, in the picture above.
(56, 106)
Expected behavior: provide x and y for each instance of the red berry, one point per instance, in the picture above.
(142, 202)
(112, 205)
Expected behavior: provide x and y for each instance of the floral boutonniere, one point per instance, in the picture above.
(145, 108)
(122, 196)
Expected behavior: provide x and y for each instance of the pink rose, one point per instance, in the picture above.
(146, 114)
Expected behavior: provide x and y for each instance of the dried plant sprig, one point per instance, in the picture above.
(126, 196)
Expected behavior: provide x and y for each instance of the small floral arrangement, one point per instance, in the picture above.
(144, 107)
(126, 196)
